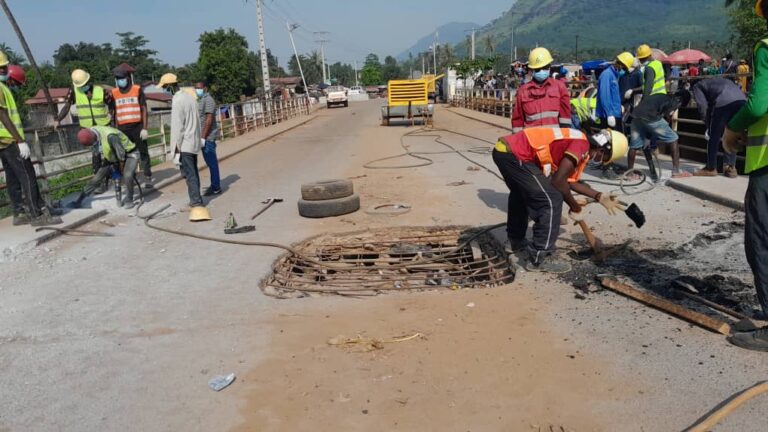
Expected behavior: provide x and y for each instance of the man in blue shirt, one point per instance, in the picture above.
(608, 94)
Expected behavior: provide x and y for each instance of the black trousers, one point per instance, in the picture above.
(192, 176)
(716, 127)
(133, 132)
(96, 163)
(756, 232)
(22, 182)
(531, 195)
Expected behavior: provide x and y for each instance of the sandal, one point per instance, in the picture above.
(681, 174)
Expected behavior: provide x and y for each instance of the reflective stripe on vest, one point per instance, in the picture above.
(107, 151)
(659, 86)
(93, 111)
(540, 138)
(757, 134)
(127, 108)
(13, 113)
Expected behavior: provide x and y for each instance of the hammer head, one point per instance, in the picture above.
(272, 200)
(637, 215)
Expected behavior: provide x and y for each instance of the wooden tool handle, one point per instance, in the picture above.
(590, 237)
(697, 318)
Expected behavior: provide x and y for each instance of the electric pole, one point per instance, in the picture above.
(291, 28)
(473, 44)
(322, 41)
(577, 48)
(263, 50)
(434, 52)
(356, 82)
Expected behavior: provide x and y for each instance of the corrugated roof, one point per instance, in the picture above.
(58, 95)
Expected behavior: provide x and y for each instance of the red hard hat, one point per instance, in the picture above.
(16, 73)
(86, 137)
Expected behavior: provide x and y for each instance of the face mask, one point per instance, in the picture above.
(4, 78)
(122, 82)
(85, 88)
(622, 73)
(541, 75)
(200, 92)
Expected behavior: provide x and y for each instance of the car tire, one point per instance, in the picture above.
(327, 190)
(346, 104)
(328, 105)
(329, 208)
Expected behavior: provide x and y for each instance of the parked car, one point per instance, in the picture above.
(357, 90)
(337, 95)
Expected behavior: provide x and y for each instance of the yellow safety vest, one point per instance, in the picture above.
(659, 86)
(13, 113)
(107, 151)
(93, 111)
(757, 134)
(585, 105)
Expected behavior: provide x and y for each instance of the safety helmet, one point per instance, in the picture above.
(619, 146)
(3, 59)
(16, 73)
(199, 214)
(167, 79)
(644, 51)
(86, 137)
(539, 58)
(627, 59)
(80, 77)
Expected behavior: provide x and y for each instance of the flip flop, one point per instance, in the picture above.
(682, 174)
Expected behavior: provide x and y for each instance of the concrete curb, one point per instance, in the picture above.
(705, 195)
(160, 185)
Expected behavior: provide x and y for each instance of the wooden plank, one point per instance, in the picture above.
(697, 318)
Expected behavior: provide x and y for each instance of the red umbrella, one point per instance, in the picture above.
(659, 55)
(687, 56)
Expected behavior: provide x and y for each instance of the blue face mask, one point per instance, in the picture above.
(85, 88)
(200, 92)
(622, 73)
(4, 78)
(541, 76)
(122, 82)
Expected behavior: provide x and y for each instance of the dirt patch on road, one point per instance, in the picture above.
(485, 362)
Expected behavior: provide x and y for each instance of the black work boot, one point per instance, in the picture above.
(21, 219)
(44, 219)
(756, 340)
(515, 245)
(548, 264)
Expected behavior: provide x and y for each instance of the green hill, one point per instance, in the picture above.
(602, 26)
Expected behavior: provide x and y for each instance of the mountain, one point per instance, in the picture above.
(451, 33)
(604, 27)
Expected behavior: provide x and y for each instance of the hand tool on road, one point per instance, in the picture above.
(231, 226)
(697, 318)
(632, 211)
(267, 204)
(688, 291)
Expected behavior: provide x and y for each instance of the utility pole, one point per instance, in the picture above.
(263, 50)
(577, 48)
(322, 41)
(423, 67)
(473, 44)
(356, 82)
(434, 52)
(291, 28)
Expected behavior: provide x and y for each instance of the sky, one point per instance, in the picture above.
(356, 27)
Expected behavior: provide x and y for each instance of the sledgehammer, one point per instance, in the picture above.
(267, 204)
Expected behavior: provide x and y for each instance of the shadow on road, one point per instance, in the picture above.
(493, 199)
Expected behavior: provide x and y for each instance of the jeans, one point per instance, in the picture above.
(22, 182)
(209, 155)
(716, 127)
(192, 177)
(531, 194)
(756, 232)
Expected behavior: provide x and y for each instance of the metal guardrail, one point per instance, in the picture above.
(233, 120)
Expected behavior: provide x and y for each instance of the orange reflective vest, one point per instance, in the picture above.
(540, 138)
(127, 108)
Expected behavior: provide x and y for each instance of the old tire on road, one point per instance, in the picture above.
(327, 190)
(328, 208)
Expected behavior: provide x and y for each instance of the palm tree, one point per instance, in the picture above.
(488, 42)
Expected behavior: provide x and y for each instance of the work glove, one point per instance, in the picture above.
(732, 141)
(24, 151)
(706, 135)
(576, 216)
(56, 125)
(177, 159)
(143, 134)
(628, 94)
(611, 203)
(202, 142)
(612, 121)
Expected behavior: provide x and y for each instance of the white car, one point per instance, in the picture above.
(357, 90)
(337, 95)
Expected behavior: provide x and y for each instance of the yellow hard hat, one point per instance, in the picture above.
(644, 51)
(167, 79)
(627, 59)
(80, 77)
(199, 214)
(759, 8)
(619, 146)
(539, 58)
(3, 59)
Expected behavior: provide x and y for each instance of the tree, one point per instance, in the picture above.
(132, 51)
(13, 56)
(390, 70)
(746, 27)
(312, 65)
(489, 46)
(98, 60)
(224, 63)
(371, 73)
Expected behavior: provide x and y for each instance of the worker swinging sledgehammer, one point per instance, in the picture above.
(541, 166)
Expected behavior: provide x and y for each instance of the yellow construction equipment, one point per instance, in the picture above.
(409, 99)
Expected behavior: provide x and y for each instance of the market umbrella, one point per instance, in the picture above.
(659, 55)
(687, 56)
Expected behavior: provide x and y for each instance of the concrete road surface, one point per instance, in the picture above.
(123, 333)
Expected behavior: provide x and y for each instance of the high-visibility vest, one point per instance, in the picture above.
(540, 138)
(104, 132)
(127, 108)
(13, 113)
(659, 84)
(757, 134)
(585, 105)
(93, 111)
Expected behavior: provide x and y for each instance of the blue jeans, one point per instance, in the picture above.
(209, 155)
